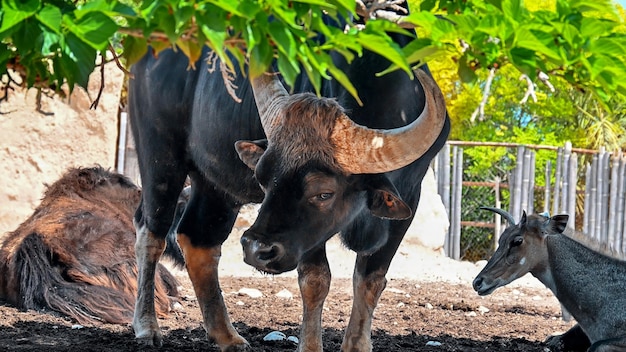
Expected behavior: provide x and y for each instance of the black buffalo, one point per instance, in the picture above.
(310, 162)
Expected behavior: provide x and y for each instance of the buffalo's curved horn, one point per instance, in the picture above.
(504, 213)
(363, 150)
(268, 91)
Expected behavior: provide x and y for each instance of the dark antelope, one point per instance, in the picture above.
(589, 284)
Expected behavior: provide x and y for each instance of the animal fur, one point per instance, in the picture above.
(75, 253)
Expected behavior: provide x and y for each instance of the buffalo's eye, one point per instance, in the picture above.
(324, 196)
(517, 241)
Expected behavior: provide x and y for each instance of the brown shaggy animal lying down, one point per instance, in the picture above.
(75, 254)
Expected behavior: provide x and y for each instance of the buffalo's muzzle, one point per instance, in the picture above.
(266, 257)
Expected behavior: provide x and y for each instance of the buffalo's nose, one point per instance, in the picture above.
(259, 254)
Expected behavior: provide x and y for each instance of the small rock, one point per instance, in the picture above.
(240, 303)
(284, 293)
(428, 306)
(400, 305)
(177, 306)
(395, 290)
(483, 309)
(537, 298)
(433, 343)
(471, 314)
(250, 292)
(275, 336)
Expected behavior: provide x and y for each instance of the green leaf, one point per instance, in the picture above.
(27, 38)
(608, 46)
(51, 17)
(605, 7)
(528, 40)
(16, 11)
(594, 27)
(78, 61)
(512, 9)
(50, 43)
(524, 60)
(183, 15)
(94, 28)
(320, 3)
(466, 74)
(386, 48)
(341, 77)
(191, 49)
(288, 68)
(260, 58)
(283, 38)
(134, 49)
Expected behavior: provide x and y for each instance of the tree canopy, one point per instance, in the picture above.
(52, 43)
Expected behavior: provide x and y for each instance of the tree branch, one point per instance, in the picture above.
(480, 110)
(530, 89)
(383, 9)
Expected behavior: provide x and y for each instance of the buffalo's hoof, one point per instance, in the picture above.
(244, 347)
(150, 338)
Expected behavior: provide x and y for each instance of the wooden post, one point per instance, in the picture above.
(444, 177)
(587, 202)
(573, 182)
(620, 204)
(525, 189)
(604, 227)
(557, 181)
(531, 184)
(546, 192)
(497, 229)
(613, 197)
(454, 238)
(516, 192)
(565, 177)
(593, 210)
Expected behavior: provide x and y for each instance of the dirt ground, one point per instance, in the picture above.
(410, 317)
(435, 309)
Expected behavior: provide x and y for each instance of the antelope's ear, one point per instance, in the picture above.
(558, 223)
(251, 151)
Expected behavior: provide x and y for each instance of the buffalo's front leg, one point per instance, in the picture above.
(202, 267)
(368, 283)
(314, 280)
(367, 290)
(148, 250)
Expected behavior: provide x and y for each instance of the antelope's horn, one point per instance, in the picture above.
(504, 213)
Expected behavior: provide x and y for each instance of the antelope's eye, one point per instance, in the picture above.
(324, 196)
(517, 241)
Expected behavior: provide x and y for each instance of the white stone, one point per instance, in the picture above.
(433, 343)
(275, 336)
(285, 294)
(250, 292)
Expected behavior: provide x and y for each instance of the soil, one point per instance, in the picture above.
(429, 311)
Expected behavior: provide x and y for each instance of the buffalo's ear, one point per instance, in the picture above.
(384, 201)
(250, 151)
(558, 223)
